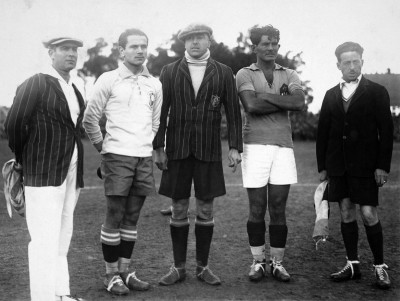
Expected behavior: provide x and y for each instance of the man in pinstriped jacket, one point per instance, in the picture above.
(43, 128)
(194, 90)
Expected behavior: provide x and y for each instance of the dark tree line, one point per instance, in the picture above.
(304, 123)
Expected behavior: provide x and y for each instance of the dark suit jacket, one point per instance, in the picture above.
(194, 125)
(360, 140)
(41, 132)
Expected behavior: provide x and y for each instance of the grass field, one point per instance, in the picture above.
(230, 254)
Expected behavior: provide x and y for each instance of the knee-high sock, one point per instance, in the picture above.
(277, 241)
(179, 235)
(204, 229)
(128, 239)
(256, 234)
(375, 240)
(110, 241)
(350, 239)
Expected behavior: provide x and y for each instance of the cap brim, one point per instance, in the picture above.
(184, 35)
(77, 42)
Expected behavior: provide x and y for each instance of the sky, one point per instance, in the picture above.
(314, 27)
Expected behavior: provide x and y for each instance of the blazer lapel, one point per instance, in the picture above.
(53, 82)
(338, 98)
(210, 70)
(80, 100)
(359, 91)
(184, 68)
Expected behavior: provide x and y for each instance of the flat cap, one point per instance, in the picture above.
(194, 28)
(60, 40)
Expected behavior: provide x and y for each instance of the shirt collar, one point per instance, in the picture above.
(254, 67)
(124, 72)
(356, 81)
(54, 73)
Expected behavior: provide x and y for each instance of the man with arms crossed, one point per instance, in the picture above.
(354, 151)
(268, 92)
(131, 99)
(194, 90)
(44, 131)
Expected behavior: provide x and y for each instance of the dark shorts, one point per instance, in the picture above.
(362, 191)
(125, 175)
(208, 178)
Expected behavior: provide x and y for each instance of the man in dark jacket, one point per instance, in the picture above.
(354, 150)
(44, 132)
(194, 89)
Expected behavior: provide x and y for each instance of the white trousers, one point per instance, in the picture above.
(49, 215)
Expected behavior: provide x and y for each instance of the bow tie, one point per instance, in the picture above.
(350, 83)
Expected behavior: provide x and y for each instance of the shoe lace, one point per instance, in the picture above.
(278, 266)
(380, 271)
(204, 269)
(115, 280)
(172, 270)
(349, 265)
(133, 276)
(257, 265)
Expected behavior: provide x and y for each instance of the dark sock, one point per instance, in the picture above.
(126, 248)
(278, 235)
(204, 235)
(110, 253)
(375, 240)
(179, 236)
(256, 233)
(350, 239)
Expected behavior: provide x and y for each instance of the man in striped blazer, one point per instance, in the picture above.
(44, 132)
(194, 90)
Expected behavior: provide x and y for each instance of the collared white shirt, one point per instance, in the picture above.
(132, 105)
(69, 93)
(348, 89)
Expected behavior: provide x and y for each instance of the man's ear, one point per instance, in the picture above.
(338, 65)
(121, 52)
(253, 48)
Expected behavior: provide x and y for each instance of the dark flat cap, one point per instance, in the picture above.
(194, 28)
(60, 40)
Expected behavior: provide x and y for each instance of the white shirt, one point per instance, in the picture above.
(132, 105)
(69, 93)
(348, 89)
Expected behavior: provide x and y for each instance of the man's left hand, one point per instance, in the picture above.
(234, 158)
(381, 177)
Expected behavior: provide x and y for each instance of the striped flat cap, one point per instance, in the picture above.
(60, 40)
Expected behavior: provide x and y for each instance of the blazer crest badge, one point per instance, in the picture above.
(215, 101)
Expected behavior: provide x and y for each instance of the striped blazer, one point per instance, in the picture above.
(41, 132)
(194, 125)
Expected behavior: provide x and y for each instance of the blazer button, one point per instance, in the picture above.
(194, 108)
(344, 137)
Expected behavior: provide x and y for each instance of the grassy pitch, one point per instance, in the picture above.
(230, 255)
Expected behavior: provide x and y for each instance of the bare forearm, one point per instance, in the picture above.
(284, 102)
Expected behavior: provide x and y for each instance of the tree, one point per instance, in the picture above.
(303, 123)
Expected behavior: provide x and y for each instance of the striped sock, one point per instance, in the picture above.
(110, 241)
(128, 239)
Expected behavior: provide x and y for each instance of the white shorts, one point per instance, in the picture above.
(263, 164)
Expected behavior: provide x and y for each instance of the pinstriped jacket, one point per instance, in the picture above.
(194, 125)
(41, 132)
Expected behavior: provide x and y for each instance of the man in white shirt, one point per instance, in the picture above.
(44, 132)
(131, 100)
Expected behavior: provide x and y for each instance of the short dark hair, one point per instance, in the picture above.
(123, 38)
(346, 47)
(257, 32)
